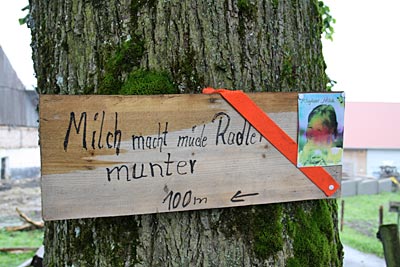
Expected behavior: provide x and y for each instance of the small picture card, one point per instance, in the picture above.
(320, 130)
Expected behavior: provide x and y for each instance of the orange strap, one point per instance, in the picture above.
(275, 135)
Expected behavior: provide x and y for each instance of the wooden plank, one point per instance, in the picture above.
(171, 153)
(388, 234)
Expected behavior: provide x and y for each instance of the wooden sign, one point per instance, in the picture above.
(122, 155)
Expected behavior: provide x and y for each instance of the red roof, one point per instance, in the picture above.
(372, 125)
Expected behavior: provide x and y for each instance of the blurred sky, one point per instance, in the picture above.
(15, 40)
(363, 58)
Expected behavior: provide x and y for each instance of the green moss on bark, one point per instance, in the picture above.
(126, 58)
(268, 231)
(146, 82)
(118, 237)
(246, 8)
(275, 4)
(123, 74)
(247, 14)
(313, 236)
(261, 226)
(184, 73)
(288, 73)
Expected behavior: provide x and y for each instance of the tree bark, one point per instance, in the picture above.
(82, 47)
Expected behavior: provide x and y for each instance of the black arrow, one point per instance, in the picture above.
(238, 195)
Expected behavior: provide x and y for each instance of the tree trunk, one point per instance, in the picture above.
(114, 47)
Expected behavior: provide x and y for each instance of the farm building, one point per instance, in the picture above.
(371, 138)
(19, 149)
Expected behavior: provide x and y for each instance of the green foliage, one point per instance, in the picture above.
(361, 221)
(32, 239)
(146, 82)
(312, 236)
(25, 19)
(327, 20)
(331, 83)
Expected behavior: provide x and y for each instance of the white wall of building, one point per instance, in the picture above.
(20, 146)
(18, 137)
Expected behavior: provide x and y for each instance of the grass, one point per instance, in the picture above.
(361, 221)
(32, 239)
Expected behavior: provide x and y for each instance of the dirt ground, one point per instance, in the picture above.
(23, 194)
